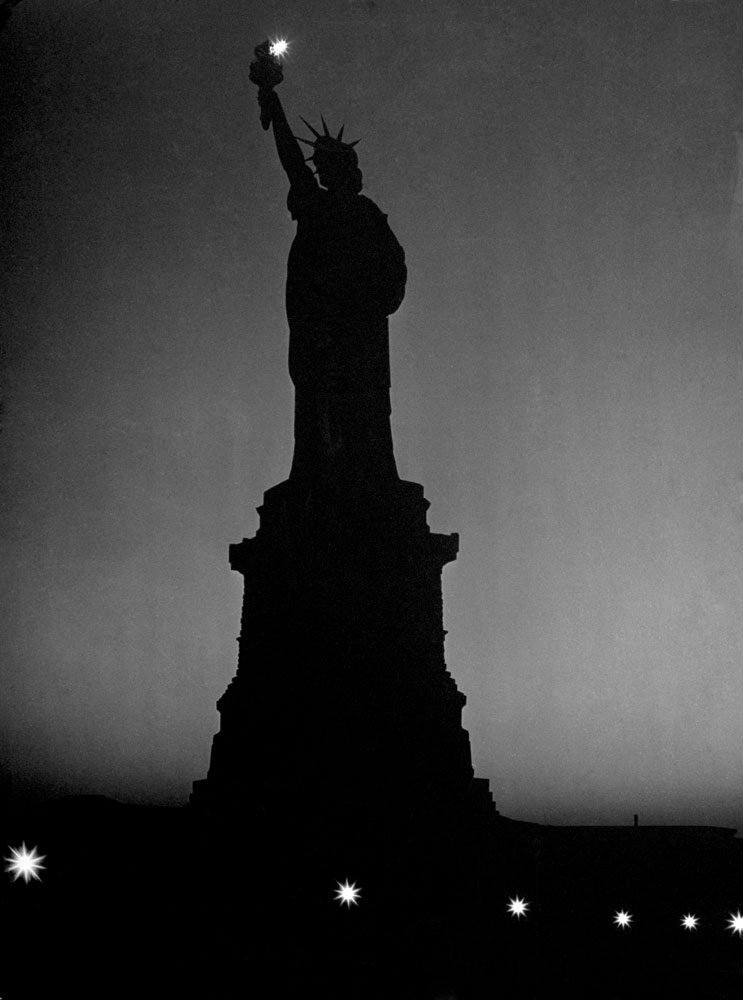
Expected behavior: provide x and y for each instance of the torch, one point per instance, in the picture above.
(266, 72)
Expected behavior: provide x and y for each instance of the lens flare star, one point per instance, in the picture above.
(622, 919)
(517, 907)
(689, 922)
(348, 894)
(24, 864)
(279, 48)
(736, 923)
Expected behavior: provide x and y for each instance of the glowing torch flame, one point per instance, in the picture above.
(279, 47)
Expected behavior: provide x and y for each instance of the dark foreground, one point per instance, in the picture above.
(155, 902)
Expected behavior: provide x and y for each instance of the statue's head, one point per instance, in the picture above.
(336, 163)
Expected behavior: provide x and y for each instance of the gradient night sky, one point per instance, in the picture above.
(567, 375)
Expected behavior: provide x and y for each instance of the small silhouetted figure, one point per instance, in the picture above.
(346, 275)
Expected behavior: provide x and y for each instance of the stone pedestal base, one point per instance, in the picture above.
(341, 752)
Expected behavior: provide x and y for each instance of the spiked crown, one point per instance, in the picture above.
(326, 143)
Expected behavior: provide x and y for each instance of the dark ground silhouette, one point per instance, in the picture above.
(152, 902)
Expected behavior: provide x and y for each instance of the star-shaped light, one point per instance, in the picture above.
(689, 922)
(736, 923)
(24, 864)
(348, 894)
(279, 48)
(517, 907)
(622, 918)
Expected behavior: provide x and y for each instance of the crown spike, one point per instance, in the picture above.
(313, 130)
(324, 126)
(340, 134)
(307, 142)
(355, 143)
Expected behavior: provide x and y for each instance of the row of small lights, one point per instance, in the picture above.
(517, 908)
(26, 864)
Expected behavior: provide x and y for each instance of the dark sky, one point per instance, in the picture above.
(567, 375)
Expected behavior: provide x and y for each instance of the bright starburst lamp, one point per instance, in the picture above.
(517, 907)
(736, 923)
(279, 48)
(622, 918)
(689, 922)
(24, 863)
(348, 894)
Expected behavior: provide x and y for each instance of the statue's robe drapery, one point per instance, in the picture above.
(346, 274)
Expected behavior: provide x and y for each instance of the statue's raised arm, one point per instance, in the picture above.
(266, 74)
